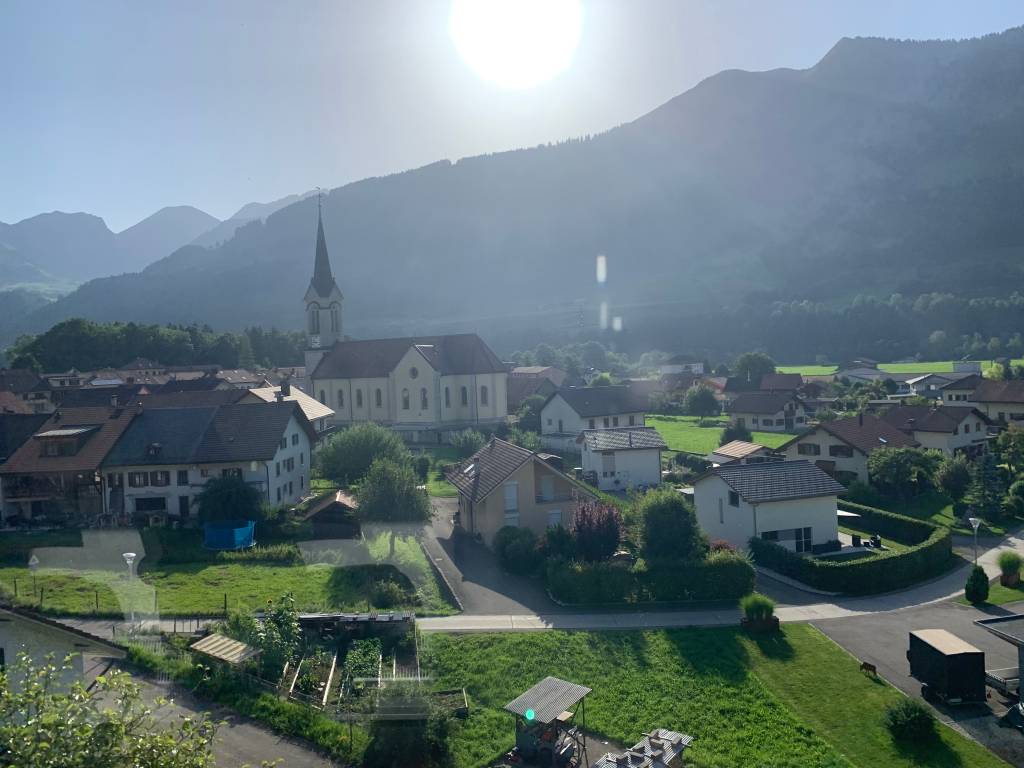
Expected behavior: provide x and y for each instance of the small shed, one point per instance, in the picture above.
(546, 727)
(223, 649)
(949, 668)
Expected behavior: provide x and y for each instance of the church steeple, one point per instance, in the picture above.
(323, 297)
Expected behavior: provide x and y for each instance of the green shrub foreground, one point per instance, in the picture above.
(757, 607)
(722, 576)
(929, 554)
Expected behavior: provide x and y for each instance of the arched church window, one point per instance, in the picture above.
(314, 319)
(378, 399)
(423, 399)
(483, 395)
(465, 396)
(341, 398)
(447, 398)
(334, 318)
(359, 398)
(405, 399)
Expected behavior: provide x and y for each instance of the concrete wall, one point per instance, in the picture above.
(631, 468)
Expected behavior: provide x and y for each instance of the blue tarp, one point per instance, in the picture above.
(229, 534)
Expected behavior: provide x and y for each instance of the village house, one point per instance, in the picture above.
(768, 412)
(165, 457)
(841, 447)
(961, 391)
(792, 503)
(951, 429)
(681, 364)
(318, 414)
(741, 452)
(574, 409)
(21, 384)
(1001, 401)
(527, 381)
(504, 484)
(781, 382)
(620, 458)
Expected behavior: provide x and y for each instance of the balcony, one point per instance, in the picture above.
(34, 488)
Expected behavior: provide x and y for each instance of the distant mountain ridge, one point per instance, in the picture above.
(887, 167)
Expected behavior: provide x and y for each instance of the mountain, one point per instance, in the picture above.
(159, 235)
(224, 230)
(889, 166)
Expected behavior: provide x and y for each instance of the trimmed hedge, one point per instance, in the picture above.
(722, 576)
(931, 548)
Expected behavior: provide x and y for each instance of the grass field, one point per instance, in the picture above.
(199, 588)
(938, 508)
(1000, 595)
(937, 366)
(440, 456)
(682, 433)
(765, 702)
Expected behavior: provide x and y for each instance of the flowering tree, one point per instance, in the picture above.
(597, 528)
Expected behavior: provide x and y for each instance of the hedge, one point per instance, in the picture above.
(722, 576)
(931, 548)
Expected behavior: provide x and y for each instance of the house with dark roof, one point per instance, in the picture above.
(571, 410)
(951, 429)
(504, 484)
(768, 412)
(1001, 401)
(781, 382)
(960, 391)
(23, 384)
(163, 460)
(841, 447)
(620, 458)
(792, 503)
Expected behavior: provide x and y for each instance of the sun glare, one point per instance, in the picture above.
(516, 44)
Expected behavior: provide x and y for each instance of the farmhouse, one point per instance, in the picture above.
(768, 412)
(623, 457)
(1001, 401)
(318, 414)
(792, 503)
(574, 409)
(504, 484)
(841, 447)
(951, 429)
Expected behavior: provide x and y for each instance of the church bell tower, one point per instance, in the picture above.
(323, 303)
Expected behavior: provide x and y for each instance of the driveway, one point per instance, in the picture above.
(473, 572)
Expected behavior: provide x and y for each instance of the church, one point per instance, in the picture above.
(425, 388)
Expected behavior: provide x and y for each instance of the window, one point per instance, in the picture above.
(231, 472)
(405, 399)
(414, 372)
(803, 539)
(302, 482)
(278, 494)
(770, 535)
(808, 449)
(755, 421)
(606, 423)
(182, 477)
(549, 422)
(593, 424)
(341, 398)
(483, 395)
(465, 396)
(766, 422)
(314, 319)
(323, 399)
(302, 458)
(204, 473)
(334, 318)
(424, 405)
(554, 517)
(632, 421)
(615, 421)
(608, 463)
(447, 398)
(721, 512)
(291, 488)
(512, 503)
(378, 398)
(840, 451)
(284, 443)
(158, 504)
(734, 499)
(359, 398)
(277, 469)
(138, 479)
(160, 478)
(183, 506)
(295, 439)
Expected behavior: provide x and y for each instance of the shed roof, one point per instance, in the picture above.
(622, 439)
(548, 699)
(312, 407)
(223, 648)
(944, 641)
(1009, 628)
(999, 391)
(737, 449)
(776, 481)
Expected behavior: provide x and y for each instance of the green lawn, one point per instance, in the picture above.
(440, 456)
(682, 433)
(769, 702)
(808, 370)
(937, 366)
(1000, 595)
(938, 508)
(198, 588)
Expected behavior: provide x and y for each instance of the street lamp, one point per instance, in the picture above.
(975, 522)
(129, 558)
(33, 565)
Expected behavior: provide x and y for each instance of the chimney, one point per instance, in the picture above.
(286, 386)
(279, 396)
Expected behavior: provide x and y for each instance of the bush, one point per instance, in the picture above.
(388, 492)
(721, 545)
(559, 543)
(757, 607)
(1009, 562)
(281, 554)
(388, 594)
(591, 583)
(597, 530)
(467, 442)
(909, 721)
(930, 552)
(976, 589)
(347, 456)
(524, 439)
(735, 432)
(422, 466)
(517, 550)
(671, 530)
(953, 476)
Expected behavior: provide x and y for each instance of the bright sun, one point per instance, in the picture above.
(516, 43)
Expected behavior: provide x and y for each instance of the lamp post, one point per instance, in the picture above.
(975, 522)
(33, 566)
(129, 558)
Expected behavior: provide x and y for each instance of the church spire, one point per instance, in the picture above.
(323, 281)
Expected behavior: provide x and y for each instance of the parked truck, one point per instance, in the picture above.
(950, 669)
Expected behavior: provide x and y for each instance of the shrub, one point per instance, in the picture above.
(953, 476)
(467, 442)
(282, 554)
(1009, 562)
(735, 432)
(517, 550)
(347, 456)
(976, 590)
(671, 530)
(757, 607)
(422, 466)
(388, 594)
(721, 545)
(909, 721)
(525, 439)
(389, 493)
(363, 658)
(591, 583)
(597, 530)
(559, 543)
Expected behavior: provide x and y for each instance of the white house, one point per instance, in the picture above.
(166, 456)
(951, 429)
(681, 364)
(961, 391)
(792, 503)
(1001, 401)
(620, 458)
(841, 447)
(574, 409)
(318, 414)
(768, 412)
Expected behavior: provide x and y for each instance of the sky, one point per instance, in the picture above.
(122, 108)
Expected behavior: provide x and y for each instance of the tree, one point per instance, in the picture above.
(902, 472)
(44, 724)
(953, 476)
(985, 493)
(246, 358)
(277, 635)
(671, 530)
(751, 366)
(602, 380)
(976, 590)
(1010, 447)
(529, 413)
(348, 455)
(388, 492)
(597, 529)
(467, 442)
(229, 497)
(700, 401)
(528, 440)
(735, 432)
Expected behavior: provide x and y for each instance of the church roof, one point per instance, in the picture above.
(376, 358)
(323, 281)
